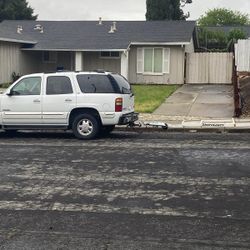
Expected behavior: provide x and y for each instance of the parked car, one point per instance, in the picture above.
(86, 102)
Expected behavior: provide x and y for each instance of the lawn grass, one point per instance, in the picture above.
(149, 97)
(4, 85)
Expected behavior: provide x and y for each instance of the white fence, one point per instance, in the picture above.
(212, 68)
(242, 55)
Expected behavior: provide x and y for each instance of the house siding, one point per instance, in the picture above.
(9, 60)
(176, 73)
(13, 59)
(93, 61)
(28, 62)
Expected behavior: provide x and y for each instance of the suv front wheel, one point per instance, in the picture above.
(85, 126)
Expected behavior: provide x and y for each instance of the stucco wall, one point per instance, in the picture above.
(93, 61)
(176, 73)
(63, 60)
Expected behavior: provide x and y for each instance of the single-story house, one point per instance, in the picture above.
(142, 51)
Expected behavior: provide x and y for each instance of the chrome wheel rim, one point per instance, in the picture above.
(85, 127)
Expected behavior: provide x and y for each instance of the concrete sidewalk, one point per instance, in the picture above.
(206, 101)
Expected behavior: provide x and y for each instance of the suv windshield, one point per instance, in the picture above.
(123, 84)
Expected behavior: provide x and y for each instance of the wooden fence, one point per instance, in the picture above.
(209, 68)
(242, 54)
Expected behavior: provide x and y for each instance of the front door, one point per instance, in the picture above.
(22, 106)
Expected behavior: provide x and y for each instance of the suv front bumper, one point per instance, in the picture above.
(128, 118)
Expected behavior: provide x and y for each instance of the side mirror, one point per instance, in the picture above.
(9, 92)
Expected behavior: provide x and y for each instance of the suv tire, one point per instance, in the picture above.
(85, 126)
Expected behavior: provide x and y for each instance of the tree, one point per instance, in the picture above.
(166, 9)
(219, 40)
(223, 16)
(236, 34)
(16, 10)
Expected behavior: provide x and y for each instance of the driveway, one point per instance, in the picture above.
(201, 101)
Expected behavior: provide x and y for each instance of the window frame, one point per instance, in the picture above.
(23, 79)
(142, 61)
(110, 55)
(46, 85)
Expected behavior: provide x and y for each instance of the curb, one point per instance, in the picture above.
(214, 125)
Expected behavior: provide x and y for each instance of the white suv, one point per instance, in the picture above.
(86, 102)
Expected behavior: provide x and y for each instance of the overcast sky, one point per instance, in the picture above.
(120, 9)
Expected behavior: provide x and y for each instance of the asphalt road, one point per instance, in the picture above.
(127, 191)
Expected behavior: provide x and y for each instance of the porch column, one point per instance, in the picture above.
(124, 64)
(78, 61)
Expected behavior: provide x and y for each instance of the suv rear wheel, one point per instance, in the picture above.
(85, 126)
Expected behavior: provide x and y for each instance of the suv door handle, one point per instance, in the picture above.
(36, 101)
(68, 100)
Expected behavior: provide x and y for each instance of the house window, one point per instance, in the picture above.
(49, 56)
(110, 54)
(153, 60)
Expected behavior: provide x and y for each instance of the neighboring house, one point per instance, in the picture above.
(142, 51)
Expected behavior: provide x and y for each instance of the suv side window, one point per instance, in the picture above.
(58, 85)
(28, 86)
(90, 83)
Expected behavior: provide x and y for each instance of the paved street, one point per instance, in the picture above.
(128, 191)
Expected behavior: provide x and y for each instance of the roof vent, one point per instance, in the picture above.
(19, 29)
(100, 21)
(112, 29)
(39, 28)
(114, 26)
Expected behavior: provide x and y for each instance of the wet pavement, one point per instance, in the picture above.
(127, 191)
(199, 101)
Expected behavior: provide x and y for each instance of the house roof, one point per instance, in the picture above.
(227, 29)
(88, 35)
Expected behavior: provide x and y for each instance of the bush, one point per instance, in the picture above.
(5, 85)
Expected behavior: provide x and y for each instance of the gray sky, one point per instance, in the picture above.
(120, 9)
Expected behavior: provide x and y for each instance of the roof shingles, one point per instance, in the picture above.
(88, 35)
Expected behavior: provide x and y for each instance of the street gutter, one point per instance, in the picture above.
(233, 125)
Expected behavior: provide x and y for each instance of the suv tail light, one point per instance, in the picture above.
(118, 104)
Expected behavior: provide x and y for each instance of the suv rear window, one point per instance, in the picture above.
(95, 84)
(123, 84)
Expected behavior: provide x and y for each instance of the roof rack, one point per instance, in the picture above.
(99, 71)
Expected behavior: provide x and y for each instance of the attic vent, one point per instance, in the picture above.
(100, 21)
(111, 29)
(19, 29)
(39, 28)
(114, 26)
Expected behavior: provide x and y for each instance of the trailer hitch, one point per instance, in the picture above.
(162, 125)
(139, 124)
